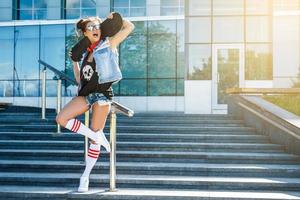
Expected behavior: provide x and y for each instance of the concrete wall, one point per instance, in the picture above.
(279, 125)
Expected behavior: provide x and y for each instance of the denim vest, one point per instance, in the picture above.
(107, 63)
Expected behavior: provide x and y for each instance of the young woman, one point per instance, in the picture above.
(99, 70)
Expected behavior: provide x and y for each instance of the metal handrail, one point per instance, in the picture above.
(115, 108)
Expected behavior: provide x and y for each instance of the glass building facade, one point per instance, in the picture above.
(151, 59)
(179, 48)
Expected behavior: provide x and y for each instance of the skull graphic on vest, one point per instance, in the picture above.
(87, 72)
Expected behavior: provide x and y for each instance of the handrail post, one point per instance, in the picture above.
(113, 123)
(44, 94)
(86, 139)
(58, 106)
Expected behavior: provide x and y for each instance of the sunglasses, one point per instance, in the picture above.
(91, 27)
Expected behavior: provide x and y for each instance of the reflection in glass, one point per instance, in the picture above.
(7, 56)
(39, 9)
(130, 7)
(162, 49)
(71, 40)
(259, 62)
(199, 62)
(162, 55)
(53, 47)
(133, 56)
(133, 87)
(258, 7)
(228, 29)
(180, 87)
(258, 29)
(197, 7)
(180, 49)
(171, 7)
(6, 89)
(5, 10)
(199, 30)
(228, 7)
(27, 51)
(162, 87)
(28, 88)
(228, 71)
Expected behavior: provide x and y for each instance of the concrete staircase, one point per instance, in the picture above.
(159, 156)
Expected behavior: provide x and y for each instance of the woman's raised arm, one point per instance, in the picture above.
(122, 34)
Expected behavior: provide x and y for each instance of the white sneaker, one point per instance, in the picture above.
(84, 184)
(101, 139)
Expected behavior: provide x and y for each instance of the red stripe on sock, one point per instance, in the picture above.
(95, 154)
(78, 126)
(93, 150)
(73, 125)
(92, 156)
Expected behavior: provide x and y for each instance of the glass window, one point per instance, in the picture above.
(180, 87)
(137, 8)
(162, 56)
(5, 10)
(197, 7)
(28, 88)
(133, 57)
(116, 88)
(258, 7)
(162, 49)
(284, 5)
(71, 40)
(199, 30)
(7, 52)
(171, 7)
(80, 8)
(180, 49)
(162, 27)
(6, 88)
(121, 6)
(41, 3)
(27, 52)
(88, 12)
(72, 4)
(26, 4)
(228, 7)
(258, 29)
(199, 62)
(39, 9)
(133, 87)
(88, 4)
(228, 29)
(162, 87)
(259, 62)
(53, 47)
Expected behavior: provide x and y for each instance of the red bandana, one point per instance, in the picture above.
(92, 46)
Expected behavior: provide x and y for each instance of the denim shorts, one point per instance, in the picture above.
(100, 98)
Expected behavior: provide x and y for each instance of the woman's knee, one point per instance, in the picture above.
(61, 120)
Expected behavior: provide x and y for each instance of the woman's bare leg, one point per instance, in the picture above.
(67, 119)
(99, 116)
(98, 122)
(75, 107)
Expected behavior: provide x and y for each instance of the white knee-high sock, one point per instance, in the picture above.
(76, 126)
(91, 159)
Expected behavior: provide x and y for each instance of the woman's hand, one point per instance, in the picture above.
(110, 15)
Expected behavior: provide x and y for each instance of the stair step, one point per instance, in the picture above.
(149, 137)
(64, 193)
(157, 156)
(144, 146)
(121, 128)
(148, 168)
(141, 181)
